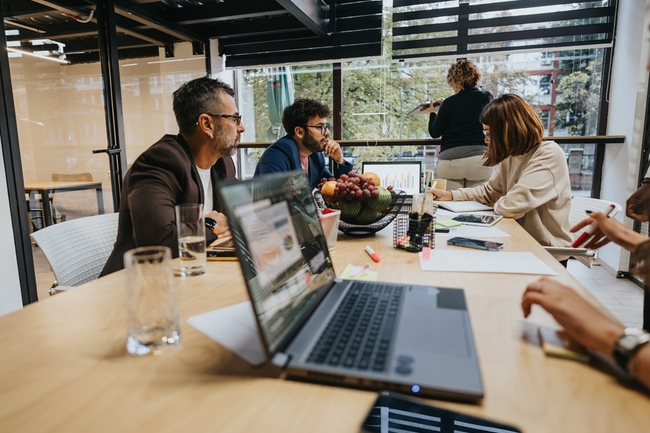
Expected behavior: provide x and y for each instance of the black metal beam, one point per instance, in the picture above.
(217, 12)
(318, 54)
(71, 7)
(142, 16)
(312, 13)
(107, 37)
(14, 178)
(266, 26)
(338, 39)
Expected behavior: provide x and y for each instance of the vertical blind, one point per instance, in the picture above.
(431, 28)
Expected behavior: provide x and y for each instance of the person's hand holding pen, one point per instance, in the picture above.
(609, 230)
(441, 194)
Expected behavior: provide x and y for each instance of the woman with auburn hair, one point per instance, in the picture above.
(531, 182)
(456, 119)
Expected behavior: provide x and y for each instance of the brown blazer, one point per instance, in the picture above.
(160, 178)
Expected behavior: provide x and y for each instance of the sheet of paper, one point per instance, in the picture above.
(234, 328)
(474, 232)
(485, 261)
(444, 213)
(462, 206)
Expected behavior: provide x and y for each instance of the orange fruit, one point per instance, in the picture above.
(372, 176)
(329, 188)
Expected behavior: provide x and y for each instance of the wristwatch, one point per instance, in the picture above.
(627, 346)
(212, 225)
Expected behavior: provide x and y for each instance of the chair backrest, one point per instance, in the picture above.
(78, 250)
(74, 204)
(580, 204)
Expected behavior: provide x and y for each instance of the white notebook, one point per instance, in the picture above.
(462, 206)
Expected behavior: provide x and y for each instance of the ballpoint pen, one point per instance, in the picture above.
(592, 228)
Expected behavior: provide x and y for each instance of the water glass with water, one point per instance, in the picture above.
(152, 310)
(190, 225)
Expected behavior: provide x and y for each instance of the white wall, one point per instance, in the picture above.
(10, 297)
(626, 116)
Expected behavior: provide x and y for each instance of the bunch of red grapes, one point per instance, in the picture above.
(350, 185)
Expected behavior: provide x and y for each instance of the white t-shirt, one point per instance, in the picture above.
(206, 181)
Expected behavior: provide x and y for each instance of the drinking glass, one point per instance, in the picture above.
(152, 310)
(190, 225)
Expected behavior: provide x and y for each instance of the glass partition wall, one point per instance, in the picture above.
(61, 120)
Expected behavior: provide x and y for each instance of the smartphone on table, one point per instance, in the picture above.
(475, 243)
(393, 412)
(221, 253)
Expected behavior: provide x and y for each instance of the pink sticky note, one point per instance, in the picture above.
(426, 253)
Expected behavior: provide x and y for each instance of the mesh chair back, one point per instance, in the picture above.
(78, 250)
(73, 204)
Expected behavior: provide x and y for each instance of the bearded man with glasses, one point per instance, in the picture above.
(179, 169)
(306, 143)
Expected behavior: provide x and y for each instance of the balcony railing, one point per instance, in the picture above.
(584, 156)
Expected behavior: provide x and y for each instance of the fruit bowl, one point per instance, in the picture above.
(366, 216)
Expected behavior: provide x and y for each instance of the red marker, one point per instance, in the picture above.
(372, 254)
(592, 228)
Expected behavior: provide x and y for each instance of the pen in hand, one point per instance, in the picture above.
(591, 229)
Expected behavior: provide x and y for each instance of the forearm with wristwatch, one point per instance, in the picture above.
(211, 224)
(627, 347)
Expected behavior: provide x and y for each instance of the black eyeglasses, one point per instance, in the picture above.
(235, 117)
(486, 134)
(323, 128)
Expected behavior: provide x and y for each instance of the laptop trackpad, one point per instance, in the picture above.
(434, 332)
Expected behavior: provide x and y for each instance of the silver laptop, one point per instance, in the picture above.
(403, 175)
(408, 338)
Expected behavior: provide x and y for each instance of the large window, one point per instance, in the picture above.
(563, 87)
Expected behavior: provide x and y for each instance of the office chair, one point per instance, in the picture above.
(77, 250)
(73, 204)
(578, 207)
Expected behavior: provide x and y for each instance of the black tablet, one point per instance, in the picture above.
(398, 413)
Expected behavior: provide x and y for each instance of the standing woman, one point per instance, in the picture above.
(531, 183)
(456, 119)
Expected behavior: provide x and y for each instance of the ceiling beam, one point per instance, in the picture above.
(261, 26)
(312, 13)
(69, 7)
(140, 15)
(216, 12)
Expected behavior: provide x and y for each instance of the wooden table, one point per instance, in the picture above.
(46, 188)
(65, 367)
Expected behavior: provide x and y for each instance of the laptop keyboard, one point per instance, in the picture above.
(360, 332)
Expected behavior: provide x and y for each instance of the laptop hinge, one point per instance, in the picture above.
(281, 359)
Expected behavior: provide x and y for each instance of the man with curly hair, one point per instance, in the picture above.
(306, 143)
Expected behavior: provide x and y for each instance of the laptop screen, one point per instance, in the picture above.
(404, 175)
(281, 247)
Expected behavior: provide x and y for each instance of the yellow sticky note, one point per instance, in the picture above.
(448, 222)
(361, 273)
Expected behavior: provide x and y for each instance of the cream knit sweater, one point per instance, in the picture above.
(534, 189)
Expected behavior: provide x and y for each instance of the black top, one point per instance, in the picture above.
(458, 121)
